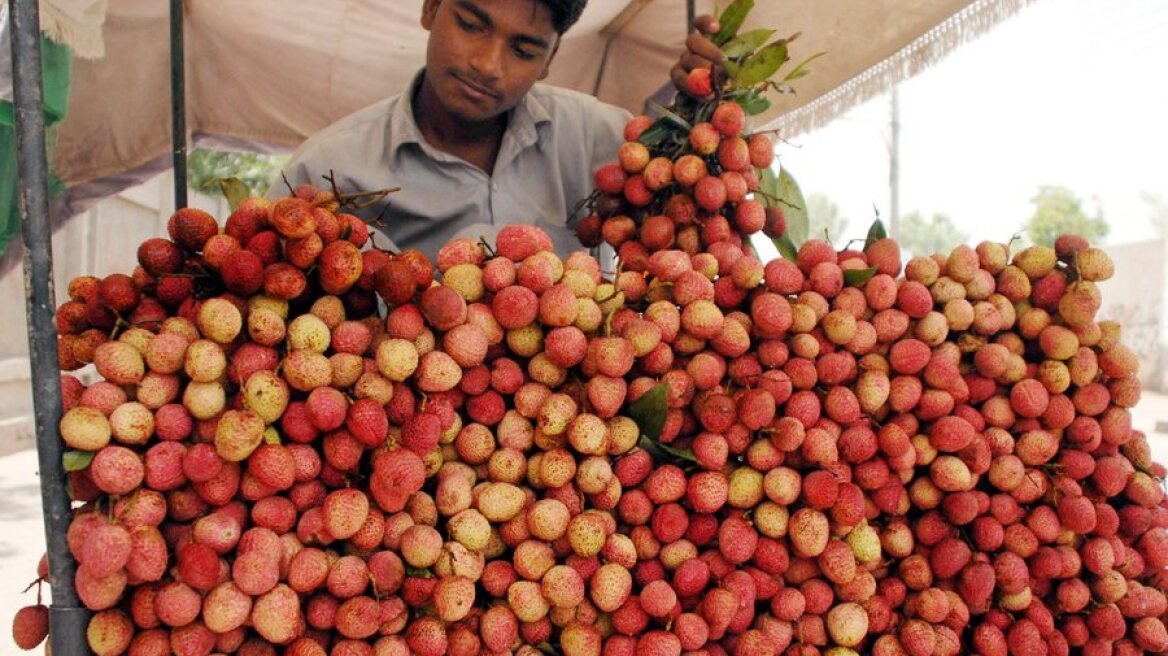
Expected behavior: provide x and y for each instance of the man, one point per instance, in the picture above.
(474, 143)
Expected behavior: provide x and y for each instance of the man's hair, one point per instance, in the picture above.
(565, 13)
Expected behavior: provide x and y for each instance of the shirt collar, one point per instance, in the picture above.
(403, 128)
(528, 124)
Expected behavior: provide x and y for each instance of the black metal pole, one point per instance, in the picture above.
(178, 104)
(690, 15)
(67, 619)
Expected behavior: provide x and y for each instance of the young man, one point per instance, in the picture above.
(474, 142)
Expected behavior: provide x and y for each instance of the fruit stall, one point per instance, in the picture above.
(298, 443)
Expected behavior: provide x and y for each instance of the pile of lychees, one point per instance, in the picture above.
(301, 447)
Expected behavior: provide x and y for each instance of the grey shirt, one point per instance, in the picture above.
(555, 139)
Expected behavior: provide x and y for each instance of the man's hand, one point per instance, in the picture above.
(700, 53)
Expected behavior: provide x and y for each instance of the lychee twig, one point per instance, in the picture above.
(377, 195)
(587, 201)
(486, 246)
(349, 200)
(29, 586)
(380, 220)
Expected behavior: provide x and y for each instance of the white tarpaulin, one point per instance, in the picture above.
(265, 74)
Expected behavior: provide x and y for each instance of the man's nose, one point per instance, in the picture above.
(487, 58)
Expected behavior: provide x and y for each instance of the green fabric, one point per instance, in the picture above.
(56, 64)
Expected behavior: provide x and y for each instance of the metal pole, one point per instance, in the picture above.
(690, 15)
(178, 104)
(67, 619)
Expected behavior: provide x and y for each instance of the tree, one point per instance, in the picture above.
(1157, 212)
(1058, 211)
(823, 214)
(922, 236)
(206, 167)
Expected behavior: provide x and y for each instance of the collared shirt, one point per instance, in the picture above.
(555, 139)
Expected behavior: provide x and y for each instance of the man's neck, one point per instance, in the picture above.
(476, 142)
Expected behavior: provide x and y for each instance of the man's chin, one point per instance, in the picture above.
(474, 114)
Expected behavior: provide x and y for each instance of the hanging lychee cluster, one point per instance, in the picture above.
(701, 454)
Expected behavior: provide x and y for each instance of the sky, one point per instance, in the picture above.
(1066, 92)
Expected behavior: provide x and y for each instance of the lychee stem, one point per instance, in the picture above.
(486, 246)
(349, 200)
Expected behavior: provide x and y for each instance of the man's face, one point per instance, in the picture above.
(483, 55)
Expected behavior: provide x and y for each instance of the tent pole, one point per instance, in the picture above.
(67, 620)
(178, 105)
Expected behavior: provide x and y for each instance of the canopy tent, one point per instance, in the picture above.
(265, 74)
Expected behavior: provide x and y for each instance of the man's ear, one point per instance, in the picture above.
(547, 65)
(429, 11)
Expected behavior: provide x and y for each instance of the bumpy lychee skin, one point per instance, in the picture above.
(340, 267)
(219, 319)
(277, 616)
(190, 228)
(293, 218)
(443, 307)
(517, 242)
(610, 586)
(30, 626)
(243, 273)
(160, 256)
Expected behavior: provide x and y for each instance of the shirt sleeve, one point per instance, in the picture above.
(606, 126)
(608, 133)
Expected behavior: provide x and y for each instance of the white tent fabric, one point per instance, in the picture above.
(265, 74)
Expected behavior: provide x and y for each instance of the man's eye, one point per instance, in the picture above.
(466, 25)
(523, 54)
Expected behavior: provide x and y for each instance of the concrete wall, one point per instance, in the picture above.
(1137, 297)
(102, 241)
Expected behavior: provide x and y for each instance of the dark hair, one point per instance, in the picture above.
(565, 13)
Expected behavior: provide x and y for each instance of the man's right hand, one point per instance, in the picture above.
(700, 53)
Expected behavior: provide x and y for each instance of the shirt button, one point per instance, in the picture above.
(494, 186)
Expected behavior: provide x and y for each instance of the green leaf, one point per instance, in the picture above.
(786, 247)
(761, 65)
(875, 233)
(418, 572)
(657, 133)
(234, 190)
(76, 460)
(746, 43)
(662, 453)
(670, 115)
(731, 20)
(787, 191)
(854, 277)
(801, 70)
(649, 411)
(684, 454)
(768, 183)
(753, 103)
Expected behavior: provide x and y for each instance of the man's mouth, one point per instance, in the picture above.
(475, 87)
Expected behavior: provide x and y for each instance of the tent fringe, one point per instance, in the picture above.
(924, 51)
